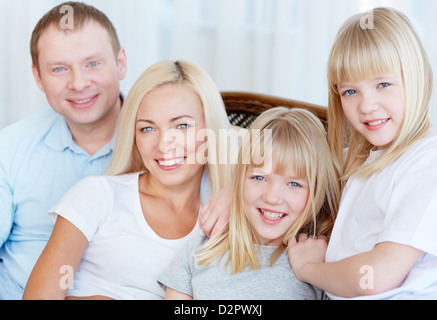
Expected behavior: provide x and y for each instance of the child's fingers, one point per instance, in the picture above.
(292, 242)
(323, 238)
(302, 237)
(203, 210)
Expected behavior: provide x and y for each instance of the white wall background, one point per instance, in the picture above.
(277, 47)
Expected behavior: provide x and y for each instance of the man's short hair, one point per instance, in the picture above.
(82, 14)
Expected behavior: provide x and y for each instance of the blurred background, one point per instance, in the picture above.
(276, 47)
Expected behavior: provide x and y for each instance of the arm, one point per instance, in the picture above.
(171, 294)
(215, 214)
(62, 253)
(6, 207)
(382, 269)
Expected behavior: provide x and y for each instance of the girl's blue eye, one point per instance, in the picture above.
(384, 85)
(258, 178)
(294, 184)
(183, 126)
(349, 92)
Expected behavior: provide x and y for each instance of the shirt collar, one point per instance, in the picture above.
(59, 138)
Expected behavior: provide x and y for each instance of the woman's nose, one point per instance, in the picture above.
(169, 141)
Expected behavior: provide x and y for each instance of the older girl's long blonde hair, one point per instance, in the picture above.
(126, 157)
(296, 134)
(389, 45)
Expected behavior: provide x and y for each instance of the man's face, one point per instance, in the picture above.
(80, 74)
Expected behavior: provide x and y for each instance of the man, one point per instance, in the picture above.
(78, 67)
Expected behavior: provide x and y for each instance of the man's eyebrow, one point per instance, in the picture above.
(94, 56)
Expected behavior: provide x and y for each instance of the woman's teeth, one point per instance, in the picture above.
(170, 163)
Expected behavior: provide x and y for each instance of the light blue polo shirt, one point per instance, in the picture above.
(39, 162)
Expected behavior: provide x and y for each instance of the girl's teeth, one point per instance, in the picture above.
(377, 123)
(272, 215)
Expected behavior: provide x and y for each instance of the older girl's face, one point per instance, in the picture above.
(375, 107)
(274, 202)
(167, 123)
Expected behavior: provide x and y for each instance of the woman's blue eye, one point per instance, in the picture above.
(183, 126)
(147, 129)
(349, 92)
(384, 85)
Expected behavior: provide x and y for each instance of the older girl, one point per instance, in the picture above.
(383, 244)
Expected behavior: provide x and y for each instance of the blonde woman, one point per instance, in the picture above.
(383, 245)
(116, 233)
(294, 189)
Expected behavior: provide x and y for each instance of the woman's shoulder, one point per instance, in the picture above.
(126, 179)
(106, 184)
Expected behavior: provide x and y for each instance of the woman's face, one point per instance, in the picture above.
(167, 123)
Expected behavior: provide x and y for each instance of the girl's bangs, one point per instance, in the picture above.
(284, 147)
(360, 55)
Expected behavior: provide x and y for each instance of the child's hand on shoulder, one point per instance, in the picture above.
(306, 250)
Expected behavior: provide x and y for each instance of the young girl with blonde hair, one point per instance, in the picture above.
(383, 244)
(294, 189)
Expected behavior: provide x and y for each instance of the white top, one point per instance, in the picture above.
(124, 256)
(396, 205)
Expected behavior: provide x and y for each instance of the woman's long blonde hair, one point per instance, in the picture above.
(298, 135)
(126, 157)
(388, 45)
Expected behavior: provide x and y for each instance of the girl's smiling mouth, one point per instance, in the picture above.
(271, 217)
(376, 124)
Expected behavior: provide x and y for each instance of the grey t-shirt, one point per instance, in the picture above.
(215, 282)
